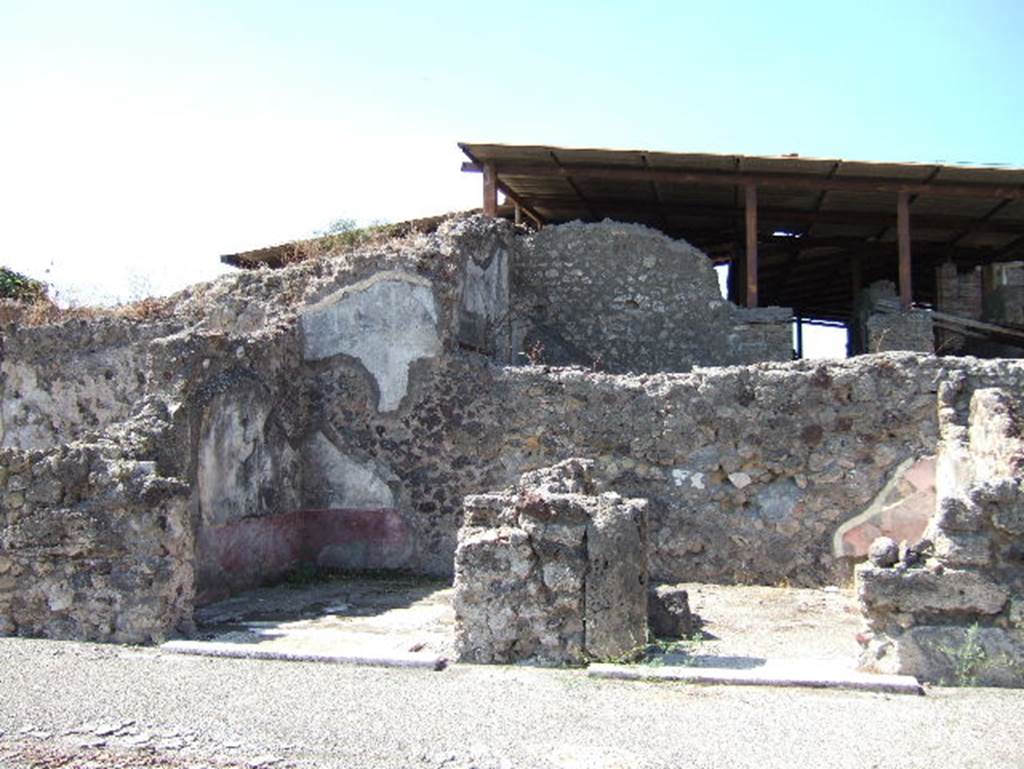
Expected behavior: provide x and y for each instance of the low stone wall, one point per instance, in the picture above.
(550, 572)
(880, 325)
(94, 546)
(951, 609)
(749, 471)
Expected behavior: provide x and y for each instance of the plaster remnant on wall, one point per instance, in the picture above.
(386, 322)
(901, 510)
(680, 477)
(241, 470)
(949, 608)
(485, 321)
(333, 480)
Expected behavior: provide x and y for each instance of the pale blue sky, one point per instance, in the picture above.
(140, 140)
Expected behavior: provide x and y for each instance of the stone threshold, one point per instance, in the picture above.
(248, 651)
(776, 673)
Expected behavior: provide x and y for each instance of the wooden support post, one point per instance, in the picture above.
(903, 228)
(736, 276)
(490, 190)
(799, 337)
(751, 211)
(856, 281)
(519, 214)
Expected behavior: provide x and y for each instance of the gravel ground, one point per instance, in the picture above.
(82, 705)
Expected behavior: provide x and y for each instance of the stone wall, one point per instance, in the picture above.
(339, 410)
(550, 572)
(625, 298)
(958, 294)
(992, 293)
(749, 471)
(94, 545)
(61, 382)
(951, 608)
(880, 325)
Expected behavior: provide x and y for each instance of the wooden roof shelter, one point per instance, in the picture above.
(805, 233)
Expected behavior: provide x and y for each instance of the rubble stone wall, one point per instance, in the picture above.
(339, 410)
(880, 325)
(957, 294)
(748, 471)
(92, 546)
(57, 383)
(550, 572)
(951, 609)
(625, 298)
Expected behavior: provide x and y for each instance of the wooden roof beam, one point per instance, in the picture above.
(527, 209)
(781, 180)
(657, 197)
(772, 216)
(986, 218)
(576, 189)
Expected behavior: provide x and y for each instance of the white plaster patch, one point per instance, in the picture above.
(680, 477)
(386, 322)
(338, 481)
(485, 289)
(230, 457)
(740, 480)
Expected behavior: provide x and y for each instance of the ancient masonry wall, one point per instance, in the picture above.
(951, 609)
(340, 410)
(993, 293)
(624, 298)
(880, 325)
(748, 471)
(93, 545)
(549, 571)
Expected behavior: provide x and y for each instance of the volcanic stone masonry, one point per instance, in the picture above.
(550, 572)
(951, 609)
(339, 411)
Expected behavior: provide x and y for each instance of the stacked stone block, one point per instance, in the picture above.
(94, 545)
(550, 572)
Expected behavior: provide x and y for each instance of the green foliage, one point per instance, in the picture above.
(967, 658)
(21, 288)
(346, 233)
(683, 650)
(339, 226)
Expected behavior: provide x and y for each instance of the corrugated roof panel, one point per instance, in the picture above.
(1012, 210)
(690, 194)
(775, 197)
(692, 161)
(939, 204)
(992, 240)
(910, 172)
(623, 159)
(844, 200)
(495, 152)
(838, 230)
(931, 234)
(980, 174)
(787, 165)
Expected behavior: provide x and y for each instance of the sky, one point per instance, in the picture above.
(141, 140)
